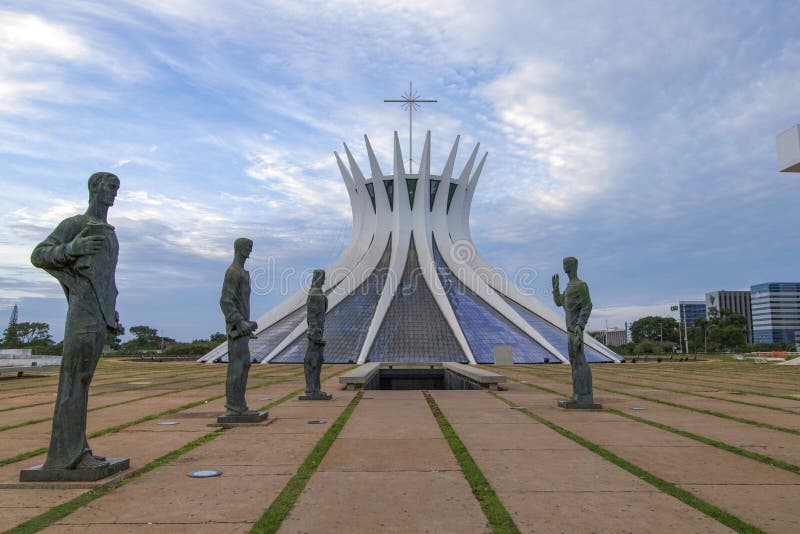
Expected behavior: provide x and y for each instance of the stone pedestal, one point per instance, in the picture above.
(255, 417)
(320, 396)
(569, 404)
(37, 474)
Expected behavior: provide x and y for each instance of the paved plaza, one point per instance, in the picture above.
(683, 447)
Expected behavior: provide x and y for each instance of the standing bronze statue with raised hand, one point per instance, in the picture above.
(81, 253)
(578, 306)
(235, 304)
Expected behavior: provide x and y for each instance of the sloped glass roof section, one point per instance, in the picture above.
(270, 338)
(414, 329)
(411, 183)
(483, 326)
(389, 185)
(346, 325)
(371, 191)
(556, 336)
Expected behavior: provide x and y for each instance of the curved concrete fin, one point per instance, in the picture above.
(348, 182)
(447, 173)
(377, 173)
(425, 162)
(399, 168)
(463, 178)
(358, 176)
(477, 174)
(469, 194)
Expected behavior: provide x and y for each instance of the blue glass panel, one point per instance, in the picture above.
(411, 183)
(434, 189)
(414, 329)
(483, 326)
(347, 323)
(371, 191)
(553, 334)
(389, 184)
(450, 194)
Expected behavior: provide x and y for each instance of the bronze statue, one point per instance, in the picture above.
(316, 307)
(235, 304)
(81, 253)
(577, 307)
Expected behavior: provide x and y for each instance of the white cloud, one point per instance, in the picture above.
(573, 154)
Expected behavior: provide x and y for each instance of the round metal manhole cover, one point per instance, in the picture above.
(205, 473)
(167, 423)
(317, 422)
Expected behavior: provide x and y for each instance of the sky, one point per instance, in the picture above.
(637, 136)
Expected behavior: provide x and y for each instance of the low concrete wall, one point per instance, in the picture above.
(480, 376)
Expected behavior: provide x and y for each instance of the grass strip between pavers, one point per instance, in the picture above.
(194, 376)
(137, 399)
(775, 462)
(714, 512)
(497, 515)
(702, 395)
(708, 441)
(117, 428)
(279, 510)
(666, 403)
(672, 379)
(61, 511)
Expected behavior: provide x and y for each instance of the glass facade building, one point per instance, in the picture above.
(776, 312)
(691, 310)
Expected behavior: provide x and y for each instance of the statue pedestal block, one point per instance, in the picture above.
(256, 417)
(320, 396)
(38, 474)
(569, 404)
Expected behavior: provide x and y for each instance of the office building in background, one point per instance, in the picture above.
(776, 312)
(732, 301)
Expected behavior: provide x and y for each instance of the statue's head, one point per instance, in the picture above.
(103, 187)
(318, 278)
(570, 265)
(243, 247)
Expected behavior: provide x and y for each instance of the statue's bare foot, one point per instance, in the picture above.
(91, 462)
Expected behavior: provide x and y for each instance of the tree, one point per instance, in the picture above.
(33, 334)
(218, 337)
(10, 337)
(653, 328)
(721, 331)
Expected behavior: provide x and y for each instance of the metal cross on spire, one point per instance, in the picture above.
(410, 101)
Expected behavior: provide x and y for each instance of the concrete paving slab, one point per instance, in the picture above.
(176, 528)
(773, 508)
(605, 511)
(270, 450)
(19, 506)
(701, 465)
(389, 455)
(359, 502)
(168, 495)
(554, 470)
(515, 436)
(368, 425)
